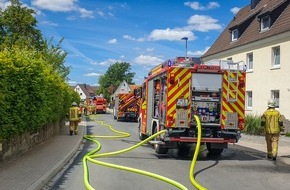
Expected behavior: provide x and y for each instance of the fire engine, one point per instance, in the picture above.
(126, 107)
(178, 89)
(100, 104)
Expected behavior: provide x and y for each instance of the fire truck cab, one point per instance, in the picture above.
(178, 89)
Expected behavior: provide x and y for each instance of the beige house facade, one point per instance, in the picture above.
(264, 49)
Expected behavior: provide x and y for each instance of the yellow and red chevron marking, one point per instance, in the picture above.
(180, 88)
(234, 106)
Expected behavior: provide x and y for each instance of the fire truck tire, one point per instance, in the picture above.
(183, 149)
(141, 135)
(214, 151)
(159, 148)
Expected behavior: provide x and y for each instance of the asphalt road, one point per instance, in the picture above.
(236, 168)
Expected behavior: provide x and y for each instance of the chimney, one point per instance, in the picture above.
(254, 3)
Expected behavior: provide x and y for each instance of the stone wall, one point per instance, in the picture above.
(23, 143)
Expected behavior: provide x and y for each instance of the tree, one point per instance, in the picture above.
(18, 28)
(114, 76)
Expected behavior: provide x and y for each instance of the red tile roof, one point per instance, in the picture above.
(247, 21)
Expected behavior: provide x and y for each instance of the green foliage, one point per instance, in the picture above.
(253, 125)
(31, 93)
(18, 27)
(114, 76)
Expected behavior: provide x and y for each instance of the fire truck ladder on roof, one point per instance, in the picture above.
(233, 82)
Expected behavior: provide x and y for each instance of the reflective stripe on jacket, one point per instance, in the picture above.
(272, 119)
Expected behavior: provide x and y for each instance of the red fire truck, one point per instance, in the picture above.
(178, 89)
(126, 107)
(100, 104)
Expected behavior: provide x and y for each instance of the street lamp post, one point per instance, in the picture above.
(185, 38)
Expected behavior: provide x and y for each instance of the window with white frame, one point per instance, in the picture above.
(250, 61)
(265, 23)
(276, 56)
(275, 94)
(249, 99)
(235, 34)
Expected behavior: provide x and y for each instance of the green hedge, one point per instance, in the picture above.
(31, 93)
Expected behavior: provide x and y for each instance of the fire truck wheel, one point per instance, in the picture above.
(213, 151)
(159, 148)
(141, 135)
(184, 149)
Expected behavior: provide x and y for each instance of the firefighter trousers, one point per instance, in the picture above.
(73, 127)
(272, 144)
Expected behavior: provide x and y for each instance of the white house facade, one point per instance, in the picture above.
(264, 51)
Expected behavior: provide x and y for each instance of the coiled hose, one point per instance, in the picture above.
(90, 156)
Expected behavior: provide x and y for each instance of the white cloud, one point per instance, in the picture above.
(147, 60)
(55, 5)
(213, 5)
(86, 13)
(48, 23)
(108, 62)
(171, 34)
(62, 6)
(4, 4)
(112, 41)
(197, 6)
(197, 53)
(93, 74)
(128, 37)
(71, 82)
(100, 13)
(235, 10)
(203, 23)
(149, 49)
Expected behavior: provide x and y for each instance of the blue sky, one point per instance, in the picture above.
(144, 33)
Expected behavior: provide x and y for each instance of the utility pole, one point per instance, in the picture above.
(185, 38)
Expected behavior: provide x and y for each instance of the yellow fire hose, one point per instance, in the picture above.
(92, 154)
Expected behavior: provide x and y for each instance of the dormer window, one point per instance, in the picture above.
(235, 34)
(265, 23)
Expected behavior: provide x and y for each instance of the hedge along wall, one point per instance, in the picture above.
(31, 93)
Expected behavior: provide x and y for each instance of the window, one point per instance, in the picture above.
(235, 34)
(276, 56)
(249, 99)
(250, 61)
(265, 23)
(275, 94)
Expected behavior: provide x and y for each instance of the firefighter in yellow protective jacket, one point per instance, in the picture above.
(74, 118)
(273, 123)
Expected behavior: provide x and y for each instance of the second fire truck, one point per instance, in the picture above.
(178, 89)
(126, 107)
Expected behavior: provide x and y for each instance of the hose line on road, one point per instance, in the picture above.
(90, 156)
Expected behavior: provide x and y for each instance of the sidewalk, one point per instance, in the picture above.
(259, 143)
(32, 170)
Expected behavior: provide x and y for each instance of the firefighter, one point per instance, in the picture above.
(74, 118)
(272, 121)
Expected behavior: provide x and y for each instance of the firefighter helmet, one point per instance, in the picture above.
(74, 104)
(271, 103)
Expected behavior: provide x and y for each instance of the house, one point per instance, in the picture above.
(85, 91)
(259, 36)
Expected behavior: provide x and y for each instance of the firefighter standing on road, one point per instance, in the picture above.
(74, 118)
(273, 123)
